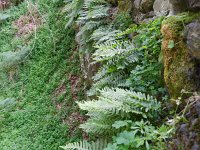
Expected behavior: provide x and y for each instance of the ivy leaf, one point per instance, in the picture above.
(171, 44)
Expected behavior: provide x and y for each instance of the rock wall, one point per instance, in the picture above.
(188, 132)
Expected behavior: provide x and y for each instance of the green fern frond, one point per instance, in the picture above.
(104, 34)
(99, 126)
(103, 78)
(91, 3)
(84, 145)
(97, 12)
(73, 8)
(120, 102)
(119, 53)
(111, 49)
(88, 27)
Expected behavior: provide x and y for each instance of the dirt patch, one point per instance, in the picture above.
(69, 112)
(4, 4)
(75, 86)
(60, 89)
(73, 121)
(27, 23)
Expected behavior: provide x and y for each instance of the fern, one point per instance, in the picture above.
(101, 124)
(119, 54)
(113, 49)
(104, 34)
(84, 145)
(115, 103)
(102, 79)
(73, 8)
(91, 3)
(92, 15)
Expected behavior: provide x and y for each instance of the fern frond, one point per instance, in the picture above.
(91, 3)
(116, 53)
(104, 34)
(89, 26)
(115, 102)
(101, 125)
(103, 78)
(97, 12)
(84, 145)
(73, 8)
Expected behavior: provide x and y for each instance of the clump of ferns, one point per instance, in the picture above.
(118, 58)
(130, 60)
(116, 105)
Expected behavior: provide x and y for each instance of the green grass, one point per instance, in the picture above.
(34, 122)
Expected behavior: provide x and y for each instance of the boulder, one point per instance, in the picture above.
(181, 69)
(146, 5)
(177, 6)
(173, 7)
(194, 5)
(137, 3)
(192, 36)
(161, 7)
(142, 10)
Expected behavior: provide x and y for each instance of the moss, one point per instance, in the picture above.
(179, 66)
(176, 23)
(125, 5)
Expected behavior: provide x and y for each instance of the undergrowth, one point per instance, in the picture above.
(125, 98)
(33, 110)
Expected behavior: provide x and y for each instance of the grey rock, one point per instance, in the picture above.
(143, 11)
(137, 4)
(177, 6)
(146, 6)
(196, 146)
(187, 136)
(192, 35)
(194, 5)
(161, 7)
(173, 7)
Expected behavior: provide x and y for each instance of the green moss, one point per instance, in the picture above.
(177, 61)
(124, 5)
(177, 22)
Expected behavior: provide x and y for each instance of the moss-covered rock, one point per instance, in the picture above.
(180, 68)
(125, 5)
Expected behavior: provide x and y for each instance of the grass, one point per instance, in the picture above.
(35, 121)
